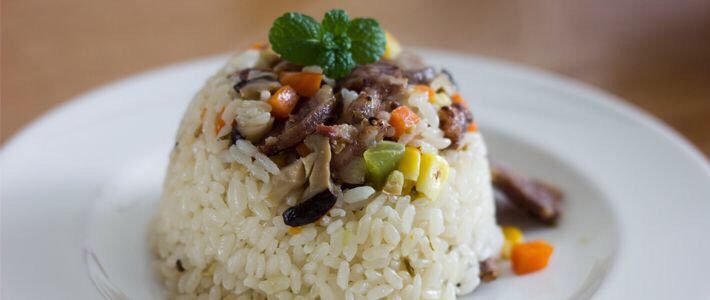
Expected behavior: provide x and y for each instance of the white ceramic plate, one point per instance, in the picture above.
(79, 185)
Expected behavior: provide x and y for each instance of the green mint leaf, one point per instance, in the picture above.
(368, 40)
(337, 64)
(297, 38)
(337, 44)
(336, 21)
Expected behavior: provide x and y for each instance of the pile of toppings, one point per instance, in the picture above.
(338, 105)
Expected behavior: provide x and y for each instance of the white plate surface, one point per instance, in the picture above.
(79, 185)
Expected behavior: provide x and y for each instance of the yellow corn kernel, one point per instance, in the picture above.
(409, 164)
(408, 186)
(433, 171)
(392, 47)
(441, 100)
(512, 236)
(394, 183)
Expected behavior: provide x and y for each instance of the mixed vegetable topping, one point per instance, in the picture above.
(338, 105)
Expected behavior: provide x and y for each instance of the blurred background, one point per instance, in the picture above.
(654, 53)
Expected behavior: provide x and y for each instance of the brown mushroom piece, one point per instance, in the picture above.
(313, 168)
(290, 178)
(537, 198)
(319, 175)
(319, 196)
(252, 88)
(443, 82)
(310, 210)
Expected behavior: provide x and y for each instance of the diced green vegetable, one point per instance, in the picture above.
(381, 159)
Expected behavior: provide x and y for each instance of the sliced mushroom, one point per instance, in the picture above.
(251, 82)
(267, 59)
(290, 178)
(254, 119)
(286, 66)
(252, 88)
(443, 82)
(319, 177)
(319, 196)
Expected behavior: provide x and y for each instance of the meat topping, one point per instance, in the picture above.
(539, 199)
(379, 80)
(453, 122)
(309, 114)
(364, 107)
(348, 161)
(420, 76)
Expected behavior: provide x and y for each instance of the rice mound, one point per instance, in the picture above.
(217, 235)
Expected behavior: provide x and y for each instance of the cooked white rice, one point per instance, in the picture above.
(216, 218)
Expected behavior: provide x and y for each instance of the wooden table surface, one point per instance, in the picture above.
(655, 53)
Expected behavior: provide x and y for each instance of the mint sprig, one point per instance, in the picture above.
(337, 44)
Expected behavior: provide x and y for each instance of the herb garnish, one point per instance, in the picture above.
(337, 44)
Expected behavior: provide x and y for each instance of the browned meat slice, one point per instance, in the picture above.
(347, 164)
(379, 80)
(312, 112)
(488, 270)
(453, 122)
(466, 112)
(340, 135)
(343, 132)
(539, 199)
(420, 76)
(363, 108)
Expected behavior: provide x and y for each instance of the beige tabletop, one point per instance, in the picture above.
(654, 53)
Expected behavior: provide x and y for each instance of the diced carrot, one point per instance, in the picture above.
(425, 88)
(303, 150)
(531, 256)
(456, 98)
(305, 83)
(257, 46)
(294, 230)
(403, 119)
(218, 122)
(283, 101)
(472, 127)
